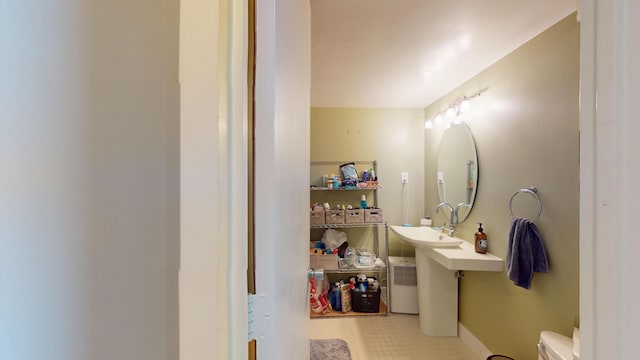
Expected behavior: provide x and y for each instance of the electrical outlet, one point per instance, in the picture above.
(405, 177)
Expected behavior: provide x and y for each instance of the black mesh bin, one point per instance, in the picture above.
(368, 301)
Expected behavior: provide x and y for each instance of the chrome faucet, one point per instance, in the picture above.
(451, 226)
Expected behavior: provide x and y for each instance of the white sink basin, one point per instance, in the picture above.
(465, 258)
(425, 237)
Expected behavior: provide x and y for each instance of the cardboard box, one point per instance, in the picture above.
(373, 215)
(316, 217)
(326, 261)
(354, 216)
(334, 217)
(345, 293)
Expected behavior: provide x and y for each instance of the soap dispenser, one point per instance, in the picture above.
(481, 241)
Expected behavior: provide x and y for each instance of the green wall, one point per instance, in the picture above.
(525, 125)
(393, 137)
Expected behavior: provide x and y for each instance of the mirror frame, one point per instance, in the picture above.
(457, 165)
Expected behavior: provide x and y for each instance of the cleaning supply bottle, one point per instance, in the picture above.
(336, 298)
(363, 202)
(481, 241)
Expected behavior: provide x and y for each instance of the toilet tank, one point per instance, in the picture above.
(554, 346)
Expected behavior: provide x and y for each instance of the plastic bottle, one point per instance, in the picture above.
(336, 298)
(330, 181)
(363, 202)
(481, 241)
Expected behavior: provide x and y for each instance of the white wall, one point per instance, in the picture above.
(282, 177)
(88, 157)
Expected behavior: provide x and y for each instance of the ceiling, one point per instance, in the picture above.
(409, 53)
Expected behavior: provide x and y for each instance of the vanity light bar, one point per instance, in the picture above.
(462, 105)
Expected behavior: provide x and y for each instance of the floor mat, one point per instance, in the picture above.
(330, 349)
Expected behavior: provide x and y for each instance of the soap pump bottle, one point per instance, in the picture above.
(481, 240)
(363, 202)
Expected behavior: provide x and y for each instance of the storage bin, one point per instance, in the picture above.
(316, 217)
(326, 261)
(365, 301)
(334, 217)
(373, 215)
(354, 216)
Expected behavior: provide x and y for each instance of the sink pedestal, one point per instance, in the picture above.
(438, 257)
(437, 296)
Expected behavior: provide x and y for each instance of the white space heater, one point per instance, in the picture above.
(403, 286)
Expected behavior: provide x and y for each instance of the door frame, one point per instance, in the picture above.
(609, 89)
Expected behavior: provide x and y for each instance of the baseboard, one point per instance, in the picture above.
(473, 342)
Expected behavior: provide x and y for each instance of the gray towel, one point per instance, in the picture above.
(330, 349)
(525, 252)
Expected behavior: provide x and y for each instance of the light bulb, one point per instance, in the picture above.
(457, 120)
(438, 119)
(465, 105)
(428, 124)
(450, 113)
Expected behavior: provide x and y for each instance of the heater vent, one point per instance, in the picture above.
(403, 285)
(405, 275)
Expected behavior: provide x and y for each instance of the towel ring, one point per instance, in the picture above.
(534, 192)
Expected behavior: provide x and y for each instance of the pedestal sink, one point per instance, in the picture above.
(439, 258)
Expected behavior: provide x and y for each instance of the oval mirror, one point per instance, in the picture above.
(457, 170)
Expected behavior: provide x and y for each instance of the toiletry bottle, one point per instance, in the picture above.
(481, 241)
(363, 202)
(330, 181)
(337, 297)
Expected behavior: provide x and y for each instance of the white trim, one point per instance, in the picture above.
(476, 346)
(235, 189)
(588, 283)
(213, 180)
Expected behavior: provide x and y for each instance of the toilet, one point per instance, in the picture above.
(554, 346)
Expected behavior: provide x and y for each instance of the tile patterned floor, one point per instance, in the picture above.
(391, 337)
